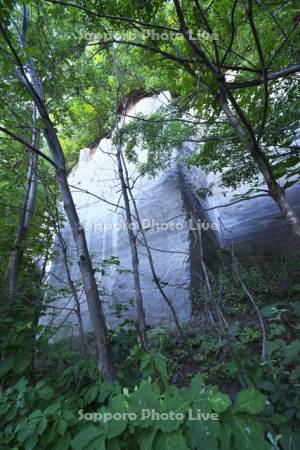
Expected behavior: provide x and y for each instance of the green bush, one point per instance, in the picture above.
(63, 415)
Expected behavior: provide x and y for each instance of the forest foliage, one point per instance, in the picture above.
(67, 69)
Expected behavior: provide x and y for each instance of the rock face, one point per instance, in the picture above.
(166, 205)
(254, 226)
(164, 216)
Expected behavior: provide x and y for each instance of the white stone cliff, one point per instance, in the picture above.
(167, 199)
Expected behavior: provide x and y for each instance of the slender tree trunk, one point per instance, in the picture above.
(31, 83)
(87, 273)
(63, 247)
(224, 326)
(278, 194)
(134, 256)
(15, 260)
(76, 299)
(274, 188)
(16, 256)
(105, 362)
(72, 289)
(254, 304)
(150, 258)
(240, 123)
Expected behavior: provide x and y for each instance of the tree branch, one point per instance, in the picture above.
(263, 65)
(22, 141)
(112, 17)
(236, 201)
(281, 73)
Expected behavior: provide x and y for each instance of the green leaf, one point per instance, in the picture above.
(177, 404)
(31, 442)
(63, 442)
(296, 307)
(52, 409)
(42, 425)
(170, 441)
(290, 439)
(269, 310)
(22, 361)
(250, 401)
(145, 439)
(272, 346)
(91, 394)
(267, 386)
(225, 435)
(203, 434)
(82, 440)
(146, 397)
(113, 444)
(161, 367)
(295, 374)
(115, 428)
(219, 402)
(106, 389)
(196, 386)
(6, 365)
(46, 393)
(248, 433)
(277, 419)
(98, 443)
(291, 352)
(61, 427)
(26, 430)
(68, 415)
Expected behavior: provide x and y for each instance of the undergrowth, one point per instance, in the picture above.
(53, 398)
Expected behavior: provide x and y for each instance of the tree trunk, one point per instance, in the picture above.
(72, 288)
(105, 362)
(87, 273)
(274, 188)
(33, 86)
(150, 258)
(63, 248)
(76, 299)
(134, 257)
(240, 123)
(16, 256)
(278, 194)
